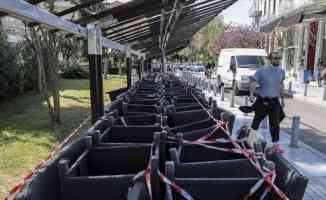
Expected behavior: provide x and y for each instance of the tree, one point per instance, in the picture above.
(200, 48)
(70, 50)
(46, 46)
(8, 67)
(238, 37)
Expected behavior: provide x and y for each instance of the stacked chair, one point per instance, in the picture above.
(148, 146)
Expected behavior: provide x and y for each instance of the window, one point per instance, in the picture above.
(251, 61)
(265, 7)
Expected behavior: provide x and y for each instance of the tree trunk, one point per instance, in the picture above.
(39, 76)
(47, 60)
(120, 67)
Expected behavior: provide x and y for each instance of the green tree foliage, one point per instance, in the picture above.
(238, 37)
(8, 67)
(201, 47)
(27, 68)
(17, 68)
(75, 72)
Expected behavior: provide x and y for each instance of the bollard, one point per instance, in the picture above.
(305, 89)
(214, 110)
(222, 92)
(246, 103)
(232, 102)
(219, 80)
(210, 100)
(324, 96)
(295, 132)
(206, 85)
(290, 87)
(215, 89)
(251, 91)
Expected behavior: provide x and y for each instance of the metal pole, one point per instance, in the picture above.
(129, 69)
(324, 96)
(232, 98)
(233, 94)
(193, 79)
(290, 87)
(251, 91)
(306, 89)
(295, 132)
(95, 68)
(202, 84)
(222, 92)
(246, 103)
(219, 80)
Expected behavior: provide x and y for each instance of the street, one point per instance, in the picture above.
(313, 120)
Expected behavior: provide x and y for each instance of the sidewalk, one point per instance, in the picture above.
(310, 162)
(314, 93)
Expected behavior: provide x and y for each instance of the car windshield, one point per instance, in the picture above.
(251, 61)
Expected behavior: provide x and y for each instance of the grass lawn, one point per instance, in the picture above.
(25, 134)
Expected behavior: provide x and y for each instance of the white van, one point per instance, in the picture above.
(238, 65)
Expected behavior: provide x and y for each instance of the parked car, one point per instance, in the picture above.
(198, 70)
(239, 65)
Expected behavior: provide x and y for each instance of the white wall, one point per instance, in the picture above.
(283, 7)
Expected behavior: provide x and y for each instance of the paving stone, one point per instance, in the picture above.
(308, 161)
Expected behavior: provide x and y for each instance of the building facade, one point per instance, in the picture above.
(13, 28)
(295, 29)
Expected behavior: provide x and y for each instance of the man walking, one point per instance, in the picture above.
(270, 79)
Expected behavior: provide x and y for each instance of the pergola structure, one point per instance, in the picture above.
(146, 29)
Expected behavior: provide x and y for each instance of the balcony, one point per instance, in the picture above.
(254, 12)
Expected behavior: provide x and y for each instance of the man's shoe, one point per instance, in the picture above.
(246, 109)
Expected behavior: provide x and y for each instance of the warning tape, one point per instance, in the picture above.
(147, 175)
(268, 177)
(123, 121)
(18, 186)
(177, 188)
(164, 179)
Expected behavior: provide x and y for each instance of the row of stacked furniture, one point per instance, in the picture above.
(141, 138)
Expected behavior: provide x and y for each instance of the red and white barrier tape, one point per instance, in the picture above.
(123, 121)
(253, 160)
(18, 186)
(164, 179)
(176, 187)
(147, 175)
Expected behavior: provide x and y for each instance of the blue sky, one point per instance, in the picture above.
(238, 12)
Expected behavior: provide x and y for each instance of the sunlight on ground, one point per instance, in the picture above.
(25, 134)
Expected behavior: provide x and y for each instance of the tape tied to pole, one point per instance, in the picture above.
(251, 158)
